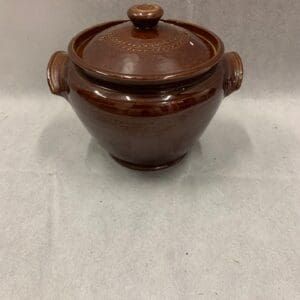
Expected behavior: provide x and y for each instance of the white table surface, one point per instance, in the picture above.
(223, 224)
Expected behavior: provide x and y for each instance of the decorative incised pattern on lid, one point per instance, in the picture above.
(156, 46)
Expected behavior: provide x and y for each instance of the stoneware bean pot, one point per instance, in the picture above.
(145, 88)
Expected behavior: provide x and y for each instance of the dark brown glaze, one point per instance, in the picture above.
(234, 72)
(164, 51)
(150, 124)
(171, 52)
(56, 73)
(146, 130)
(145, 16)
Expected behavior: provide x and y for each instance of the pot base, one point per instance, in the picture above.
(147, 167)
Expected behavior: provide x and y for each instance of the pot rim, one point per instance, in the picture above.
(79, 40)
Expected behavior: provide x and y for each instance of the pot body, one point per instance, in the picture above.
(145, 127)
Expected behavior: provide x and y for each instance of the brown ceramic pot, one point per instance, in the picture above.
(146, 89)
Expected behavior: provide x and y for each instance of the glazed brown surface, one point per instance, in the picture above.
(140, 116)
(172, 51)
(145, 16)
(161, 51)
(146, 130)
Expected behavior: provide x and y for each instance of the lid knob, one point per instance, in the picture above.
(145, 15)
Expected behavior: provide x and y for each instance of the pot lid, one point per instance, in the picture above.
(146, 49)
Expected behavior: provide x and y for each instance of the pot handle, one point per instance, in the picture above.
(234, 72)
(56, 73)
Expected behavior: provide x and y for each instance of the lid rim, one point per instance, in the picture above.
(146, 79)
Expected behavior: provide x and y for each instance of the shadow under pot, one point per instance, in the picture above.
(145, 88)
